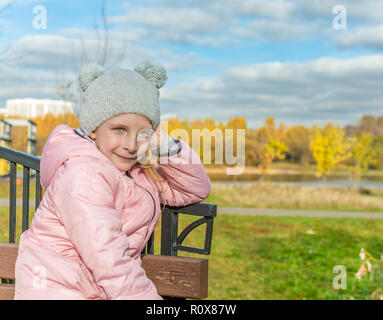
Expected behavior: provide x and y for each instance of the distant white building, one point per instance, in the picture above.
(31, 108)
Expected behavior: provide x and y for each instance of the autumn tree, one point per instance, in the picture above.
(18, 135)
(362, 155)
(251, 147)
(234, 124)
(274, 149)
(329, 148)
(298, 142)
(267, 145)
(377, 145)
(256, 141)
(367, 124)
(46, 123)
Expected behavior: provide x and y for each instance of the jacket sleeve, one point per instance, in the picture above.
(84, 202)
(186, 178)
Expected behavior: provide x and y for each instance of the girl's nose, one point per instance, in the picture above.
(130, 144)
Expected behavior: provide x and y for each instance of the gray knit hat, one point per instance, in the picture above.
(105, 95)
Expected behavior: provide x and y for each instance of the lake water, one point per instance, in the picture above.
(308, 180)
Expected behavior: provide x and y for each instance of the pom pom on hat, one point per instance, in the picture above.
(153, 72)
(89, 73)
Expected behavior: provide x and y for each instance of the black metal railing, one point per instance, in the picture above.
(28, 162)
(171, 242)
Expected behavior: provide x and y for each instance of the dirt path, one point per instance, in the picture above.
(298, 213)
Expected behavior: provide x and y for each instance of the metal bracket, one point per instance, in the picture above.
(171, 242)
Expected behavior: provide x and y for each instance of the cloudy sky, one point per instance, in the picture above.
(303, 62)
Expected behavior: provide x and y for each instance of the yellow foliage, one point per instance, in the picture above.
(236, 123)
(329, 148)
(362, 154)
(46, 124)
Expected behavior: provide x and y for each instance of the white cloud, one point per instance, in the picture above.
(177, 19)
(367, 37)
(218, 22)
(275, 30)
(276, 9)
(325, 89)
(317, 91)
(174, 23)
(73, 47)
(51, 58)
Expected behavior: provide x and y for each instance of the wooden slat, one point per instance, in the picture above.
(172, 276)
(177, 276)
(8, 255)
(7, 291)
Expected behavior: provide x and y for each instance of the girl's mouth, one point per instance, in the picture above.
(125, 158)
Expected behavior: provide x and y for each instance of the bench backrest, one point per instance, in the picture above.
(172, 276)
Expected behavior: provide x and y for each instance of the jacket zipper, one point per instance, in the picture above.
(154, 203)
(79, 132)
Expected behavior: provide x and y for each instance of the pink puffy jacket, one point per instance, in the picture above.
(88, 232)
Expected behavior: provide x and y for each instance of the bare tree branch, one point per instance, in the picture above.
(103, 55)
(97, 31)
(106, 35)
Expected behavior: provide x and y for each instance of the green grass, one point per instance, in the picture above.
(4, 190)
(255, 257)
(4, 222)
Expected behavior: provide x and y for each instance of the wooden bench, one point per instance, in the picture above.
(173, 276)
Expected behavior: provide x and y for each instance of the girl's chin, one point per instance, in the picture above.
(124, 168)
(123, 164)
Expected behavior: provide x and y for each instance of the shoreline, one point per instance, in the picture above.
(287, 171)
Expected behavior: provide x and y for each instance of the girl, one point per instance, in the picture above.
(101, 203)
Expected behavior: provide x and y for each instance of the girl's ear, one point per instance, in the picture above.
(93, 135)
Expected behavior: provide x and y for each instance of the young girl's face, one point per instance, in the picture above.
(116, 138)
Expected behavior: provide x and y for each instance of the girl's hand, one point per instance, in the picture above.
(158, 131)
(160, 142)
(158, 139)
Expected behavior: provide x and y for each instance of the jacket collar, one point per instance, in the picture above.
(83, 135)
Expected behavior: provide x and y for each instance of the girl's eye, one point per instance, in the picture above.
(117, 129)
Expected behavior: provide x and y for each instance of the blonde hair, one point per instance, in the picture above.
(151, 172)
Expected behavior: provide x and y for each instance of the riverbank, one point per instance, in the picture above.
(269, 195)
(287, 169)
